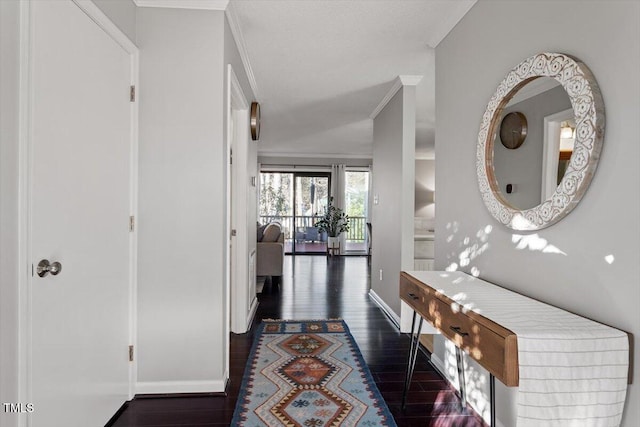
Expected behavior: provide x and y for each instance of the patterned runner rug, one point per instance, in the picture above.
(308, 374)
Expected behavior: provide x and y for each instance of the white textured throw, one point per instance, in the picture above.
(573, 371)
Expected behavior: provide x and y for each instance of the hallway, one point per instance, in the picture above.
(314, 287)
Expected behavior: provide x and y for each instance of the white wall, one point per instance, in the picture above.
(425, 209)
(393, 186)
(181, 321)
(472, 60)
(122, 13)
(9, 249)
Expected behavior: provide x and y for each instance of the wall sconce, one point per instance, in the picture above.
(566, 131)
(254, 121)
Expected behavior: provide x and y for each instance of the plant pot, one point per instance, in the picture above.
(333, 242)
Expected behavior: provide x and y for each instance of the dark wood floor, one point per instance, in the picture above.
(316, 288)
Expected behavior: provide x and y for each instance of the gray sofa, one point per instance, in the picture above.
(270, 250)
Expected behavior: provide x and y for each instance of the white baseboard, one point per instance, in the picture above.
(383, 305)
(252, 313)
(157, 387)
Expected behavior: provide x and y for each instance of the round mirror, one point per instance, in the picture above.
(539, 141)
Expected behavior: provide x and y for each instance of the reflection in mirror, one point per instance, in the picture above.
(500, 183)
(528, 175)
(567, 139)
(559, 134)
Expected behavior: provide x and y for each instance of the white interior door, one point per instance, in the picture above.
(242, 303)
(80, 205)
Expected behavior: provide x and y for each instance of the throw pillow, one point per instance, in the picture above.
(271, 233)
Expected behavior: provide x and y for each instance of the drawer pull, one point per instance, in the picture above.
(457, 330)
(413, 296)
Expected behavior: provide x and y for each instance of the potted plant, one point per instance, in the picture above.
(333, 222)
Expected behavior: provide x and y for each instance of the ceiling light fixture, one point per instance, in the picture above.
(566, 131)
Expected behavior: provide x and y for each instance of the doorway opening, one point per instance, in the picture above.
(295, 200)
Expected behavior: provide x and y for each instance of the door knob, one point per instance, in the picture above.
(44, 268)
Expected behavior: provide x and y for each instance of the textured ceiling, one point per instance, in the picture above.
(322, 67)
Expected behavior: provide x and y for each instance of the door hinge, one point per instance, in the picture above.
(32, 271)
(234, 233)
(132, 223)
(130, 353)
(132, 94)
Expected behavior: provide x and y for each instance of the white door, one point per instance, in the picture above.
(80, 204)
(240, 269)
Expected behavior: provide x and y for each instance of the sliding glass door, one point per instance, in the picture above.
(356, 202)
(276, 201)
(294, 200)
(311, 193)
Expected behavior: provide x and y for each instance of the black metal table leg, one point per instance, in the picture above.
(415, 351)
(406, 378)
(463, 387)
(492, 397)
(413, 355)
(461, 380)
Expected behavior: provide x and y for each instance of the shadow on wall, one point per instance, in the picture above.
(470, 249)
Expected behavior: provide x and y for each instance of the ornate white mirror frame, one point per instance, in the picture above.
(588, 108)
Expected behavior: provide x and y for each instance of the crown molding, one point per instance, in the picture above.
(397, 84)
(184, 4)
(238, 37)
(403, 80)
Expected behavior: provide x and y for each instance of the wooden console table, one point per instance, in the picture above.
(522, 341)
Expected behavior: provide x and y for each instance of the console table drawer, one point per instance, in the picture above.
(493, 346)
(413, 294)
(495, 351)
